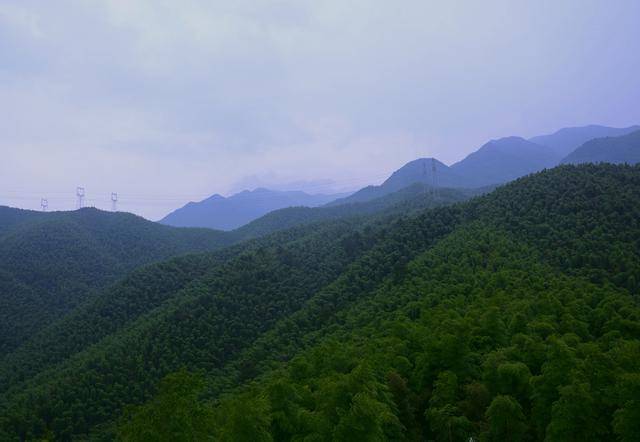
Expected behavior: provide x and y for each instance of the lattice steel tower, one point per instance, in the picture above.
(114, 202)
(80, 197)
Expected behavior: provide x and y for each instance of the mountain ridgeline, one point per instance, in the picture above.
(566, 140)
(512, 315)
(505, 159)
(218, 212)
(622, 149)
(496, 162)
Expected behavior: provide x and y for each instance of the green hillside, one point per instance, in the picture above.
(522, 324)
(148, 287)
(422, 326)
(52, 262)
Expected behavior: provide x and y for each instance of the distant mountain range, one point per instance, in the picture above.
(623, 149)
(505, 159)
(218, 212)
(566, 140)
(494, 163)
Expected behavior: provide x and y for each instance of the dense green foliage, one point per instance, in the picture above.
(202, 326)
(52, 262)
(513, 316)
(158, 289)
(147, 288)
(491, 334)
(174, 413)
(490, 344)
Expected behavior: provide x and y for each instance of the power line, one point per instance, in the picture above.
(329, 186)
(61, 199)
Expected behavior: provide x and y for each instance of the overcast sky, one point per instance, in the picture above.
(170, 101)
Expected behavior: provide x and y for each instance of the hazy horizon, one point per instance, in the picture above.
(168, 102)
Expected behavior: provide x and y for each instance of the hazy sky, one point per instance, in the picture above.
(170, 101)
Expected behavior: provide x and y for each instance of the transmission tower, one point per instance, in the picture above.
(434, 177)
(80, 196)
(114, 202)
(44, 204)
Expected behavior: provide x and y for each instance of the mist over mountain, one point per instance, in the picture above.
(565, 140)
(621, 149)
(218, 212)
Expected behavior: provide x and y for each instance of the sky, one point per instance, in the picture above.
(165, 102)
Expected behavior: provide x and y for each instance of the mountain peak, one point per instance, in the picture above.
(428, 161)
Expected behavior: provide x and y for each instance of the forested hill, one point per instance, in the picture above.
(54, 261)
(148, 287)
(511, 315)
(51, 262)
(521, 324)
